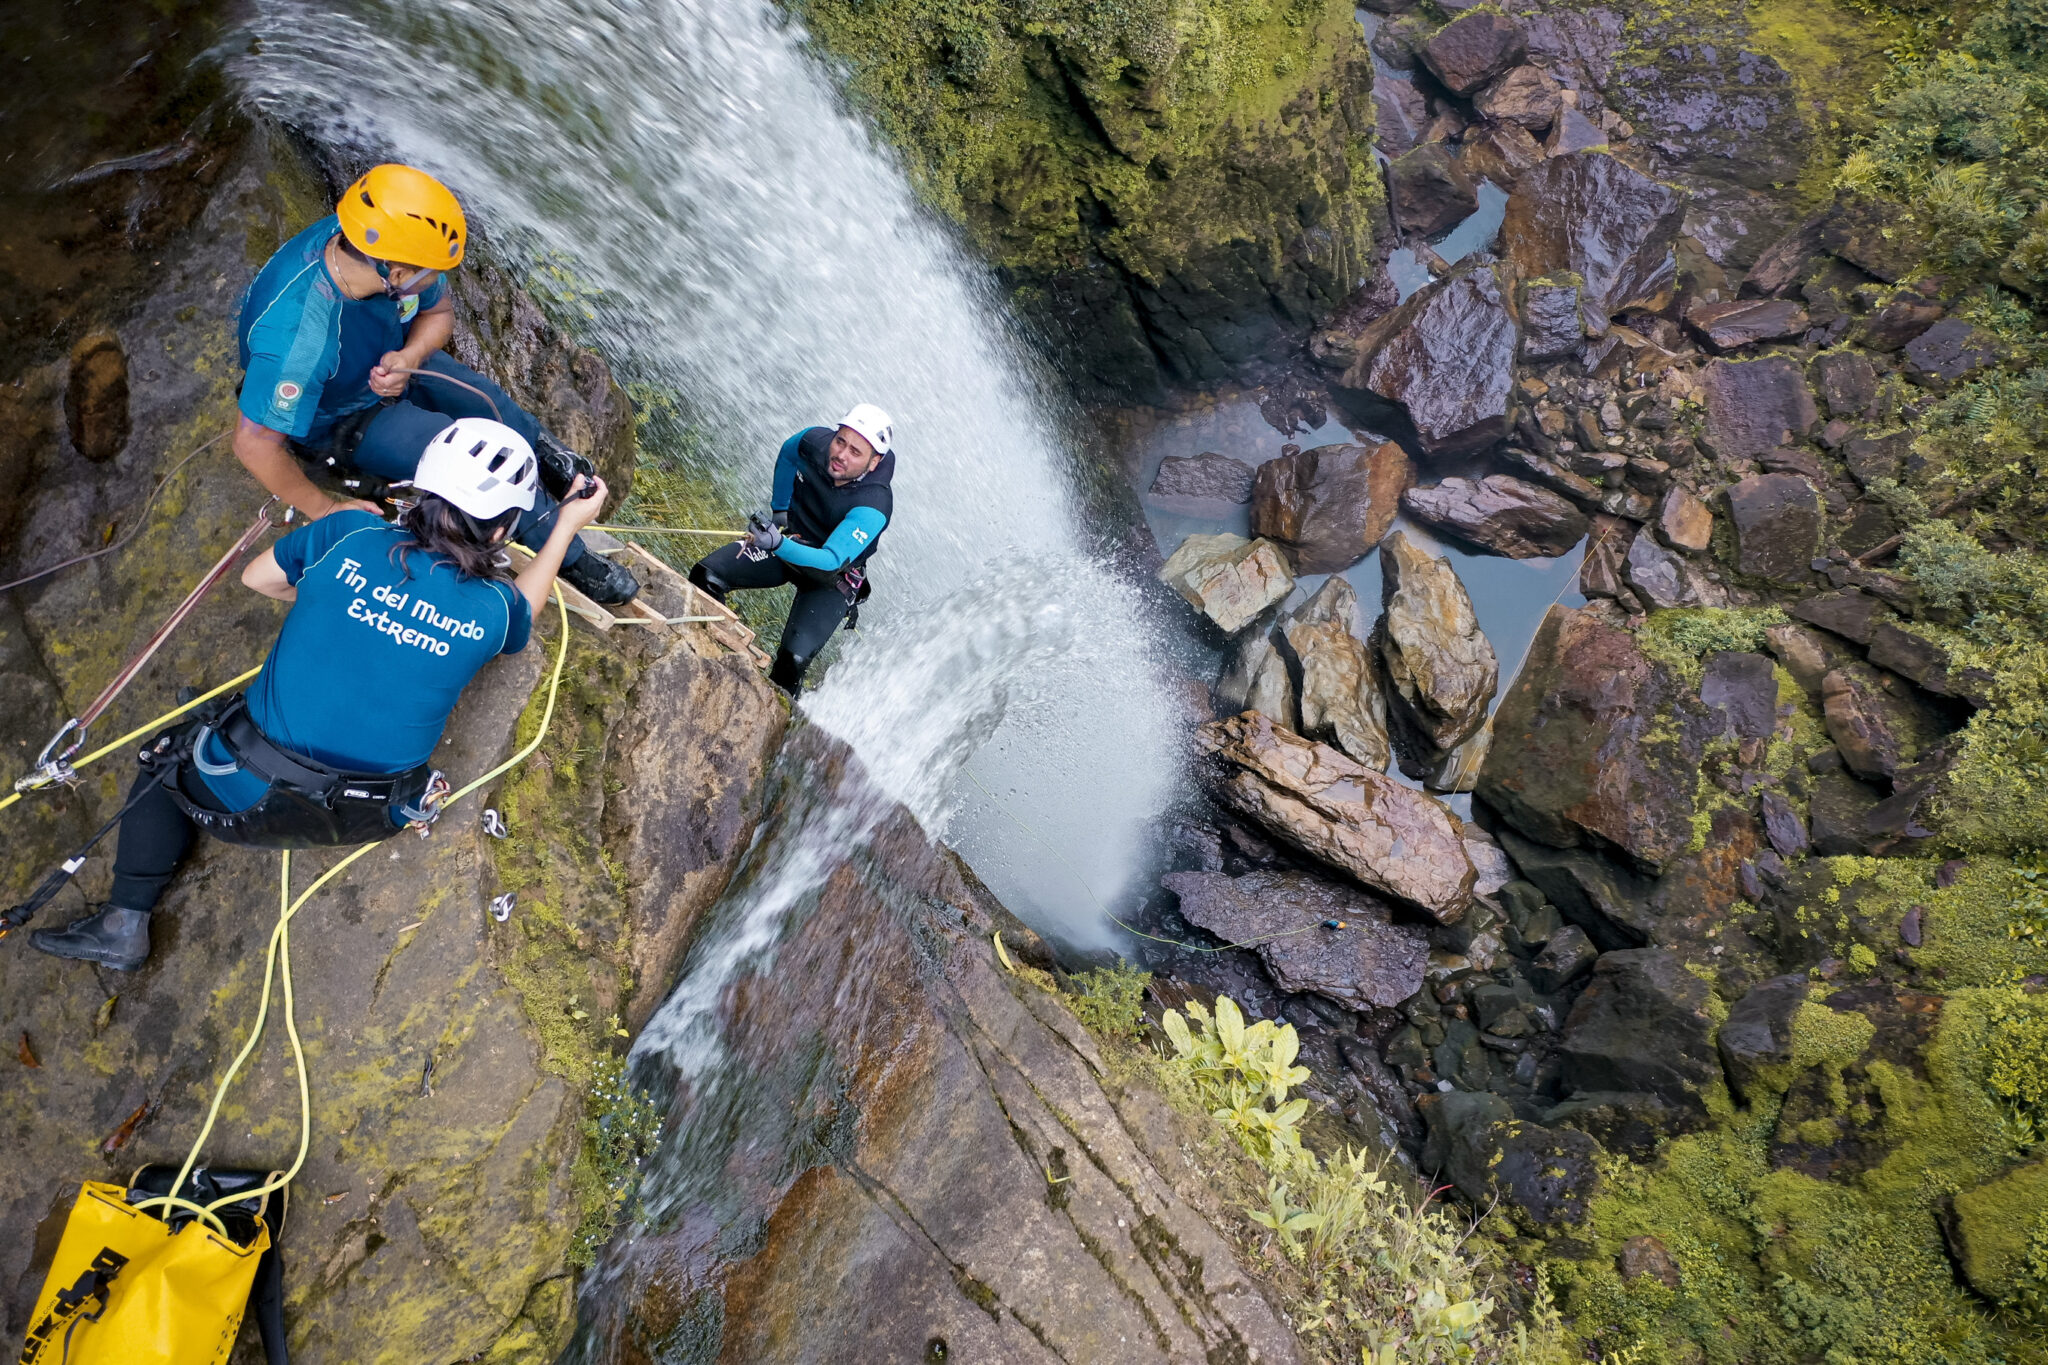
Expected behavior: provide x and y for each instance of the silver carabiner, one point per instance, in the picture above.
(501, 907)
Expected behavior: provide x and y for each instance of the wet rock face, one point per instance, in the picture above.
(1778, 521)
(1208, 475)
(1371, 961)
(1428, 191)
(1661, 578)
(1329, 506)
(1227, 578)
(1601, 219)
(1526, 95)
(1552, 317)
(1876, 721)
(1684, 521)
(1545, 1177)
(1501, 513)
(1340, 700)
(1846, 382)
(1401, 113)
(1642, 1025)
(889, 1184)
(1447, 356)
(1467, 53)
(1440, 666)
(96, 397)
(1391, 839)
(1744, 322)
(1580, 750)
(1754, 406)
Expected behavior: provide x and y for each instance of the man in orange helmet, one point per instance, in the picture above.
(329, 328)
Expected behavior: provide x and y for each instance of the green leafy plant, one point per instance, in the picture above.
(1243, 1074)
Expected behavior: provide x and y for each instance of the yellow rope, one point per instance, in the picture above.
(140, 731)
(280, 954)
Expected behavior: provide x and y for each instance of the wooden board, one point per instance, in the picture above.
(701, 611)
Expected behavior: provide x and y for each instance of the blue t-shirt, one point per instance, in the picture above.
(308, 348)
(371, 662)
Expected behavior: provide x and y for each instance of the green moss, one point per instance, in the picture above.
(1111, 1001)
(1681, 638)
(1055, 128)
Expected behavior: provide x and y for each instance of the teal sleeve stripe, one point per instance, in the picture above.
(848, 541)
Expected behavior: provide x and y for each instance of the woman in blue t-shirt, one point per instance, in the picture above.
(330, 744)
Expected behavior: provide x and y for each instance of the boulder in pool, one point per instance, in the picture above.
(1467, 53)
(1391, 839)
(1329, 506)
(1340, 699)
(1227, 578)
(1501, 513)
(1428, 192)
(1440, 666)
(1208, 475)
(1447, 356)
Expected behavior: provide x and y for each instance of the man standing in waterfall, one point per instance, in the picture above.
(341, 337)
(830, 504)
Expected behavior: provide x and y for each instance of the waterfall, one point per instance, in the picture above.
(681, 173)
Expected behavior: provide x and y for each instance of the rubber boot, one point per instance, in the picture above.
(600, 580)
(115, 937)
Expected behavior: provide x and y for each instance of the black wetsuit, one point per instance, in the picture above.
(833, 530)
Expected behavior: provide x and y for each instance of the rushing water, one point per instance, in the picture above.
(685, 175)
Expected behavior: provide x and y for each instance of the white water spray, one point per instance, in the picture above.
(684, 173)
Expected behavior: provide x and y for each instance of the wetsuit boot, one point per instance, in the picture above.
(600, 580)
(115, 937)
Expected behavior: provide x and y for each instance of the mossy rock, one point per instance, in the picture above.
(1997, 1227)
(1172, 189)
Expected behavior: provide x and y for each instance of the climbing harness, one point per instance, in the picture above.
(1129, 929)
(53, 765)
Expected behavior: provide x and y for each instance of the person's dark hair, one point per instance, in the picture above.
(349, 248)
(452, 536)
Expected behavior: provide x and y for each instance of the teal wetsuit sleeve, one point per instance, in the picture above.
(846, 543)
(292, 351)
(786, 464)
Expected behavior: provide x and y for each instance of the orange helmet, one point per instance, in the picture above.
(396, 213)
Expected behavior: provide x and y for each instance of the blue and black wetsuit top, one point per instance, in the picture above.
(838, 525)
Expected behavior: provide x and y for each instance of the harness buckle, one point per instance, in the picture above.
(422, 816)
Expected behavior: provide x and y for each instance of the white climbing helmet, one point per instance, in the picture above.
(483, 467)
(871, 422)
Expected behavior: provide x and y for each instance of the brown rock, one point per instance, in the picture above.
(1370, 961)
(1257, 678)
(1876, 721)
(1227, 578)
(1905, 316)
(1467, 53)
(1401, 113)
(1847, 383)
(1807, 655)
(1500, 152)
(96, 397)
(1728, 326)
(1441, 668)
(1501, 513)
(1391, 839)
(1606, 550)
(1552, 475)
(1684, 521)
(1755, 405)
(1876, 237)
(1341, 700)
(1646, 1255)
(1428, 191)
(1526, 96)
(1584, 745)
(1447, 356)
(1601, 219)
(1778, 520)
(1785, 263)
(1851, 613)
(1329, 506)
(1662, 579)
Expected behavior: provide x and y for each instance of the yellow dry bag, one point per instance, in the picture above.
(127, 1289)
